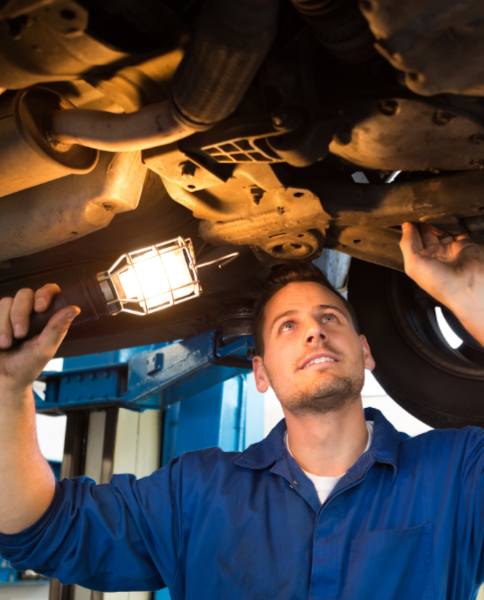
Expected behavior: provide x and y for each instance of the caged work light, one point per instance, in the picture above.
(151, 279)
(139, 283)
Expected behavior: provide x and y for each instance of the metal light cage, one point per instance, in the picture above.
(113, 290)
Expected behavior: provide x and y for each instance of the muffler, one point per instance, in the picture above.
(27, 157)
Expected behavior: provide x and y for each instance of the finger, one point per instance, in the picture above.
(56, 329)
(22, 306)
(411, 243)
(451, 251)
(462, 236)
(5, 325)
(463, 244)
(44, 296)
(448, 239)
(429, 237)
(438, 232)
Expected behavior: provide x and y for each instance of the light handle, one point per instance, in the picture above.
(86, 295)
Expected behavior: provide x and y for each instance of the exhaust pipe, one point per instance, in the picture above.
(149, 127)
(231, 40)
(46, 137)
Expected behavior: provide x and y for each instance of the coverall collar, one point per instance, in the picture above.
(384, 448)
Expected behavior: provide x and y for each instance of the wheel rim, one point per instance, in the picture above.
(414, 313)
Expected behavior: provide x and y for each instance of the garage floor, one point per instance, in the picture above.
(25, 591)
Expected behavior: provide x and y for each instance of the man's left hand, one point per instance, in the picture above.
(450, 269)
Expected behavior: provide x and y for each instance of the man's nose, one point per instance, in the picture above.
(315, 333)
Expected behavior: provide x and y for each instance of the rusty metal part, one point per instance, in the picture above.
(230, 41)
(147, 128)
(27, 159)
(47, 41)
(250, 190)
(377, 245)
(11, 9)
(59, 40)
(403, 134)
(133, 87)
(253, 204)
(288, 232)
(359, 220)
(69, 208)
(340, 27)
(438, 45)
(173, 165)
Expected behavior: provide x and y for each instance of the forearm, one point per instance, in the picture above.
(472, 318)
(467, 304)
(27, 483)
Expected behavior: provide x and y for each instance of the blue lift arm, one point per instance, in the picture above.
(150, 377)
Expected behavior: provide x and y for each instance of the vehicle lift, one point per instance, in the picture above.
(200, 394)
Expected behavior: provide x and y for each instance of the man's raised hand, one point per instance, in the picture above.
(450, 269)
(21, 366)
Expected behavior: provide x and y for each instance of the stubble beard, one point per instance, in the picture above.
(327, 395)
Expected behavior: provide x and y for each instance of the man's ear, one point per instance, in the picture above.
(368, 358)
(261, 380)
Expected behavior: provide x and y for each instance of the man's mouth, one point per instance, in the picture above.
(318, 358)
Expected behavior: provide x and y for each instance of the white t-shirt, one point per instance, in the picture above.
(325, 485)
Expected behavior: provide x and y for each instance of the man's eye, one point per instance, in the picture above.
(287, 326)
(327, 318)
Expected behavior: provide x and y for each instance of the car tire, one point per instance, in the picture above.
(441, 386)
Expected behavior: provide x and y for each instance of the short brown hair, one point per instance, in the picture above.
(278, 279)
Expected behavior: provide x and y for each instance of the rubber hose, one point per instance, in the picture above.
(340, 27)
(231, 39)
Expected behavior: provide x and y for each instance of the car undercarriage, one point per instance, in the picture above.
(277, 130)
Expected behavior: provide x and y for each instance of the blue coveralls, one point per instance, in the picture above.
(405, 522)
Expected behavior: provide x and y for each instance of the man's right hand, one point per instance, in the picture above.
(21, 366)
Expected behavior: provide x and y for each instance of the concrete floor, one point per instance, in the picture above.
(30, 591)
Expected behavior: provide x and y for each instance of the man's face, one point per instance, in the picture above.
(314, 360)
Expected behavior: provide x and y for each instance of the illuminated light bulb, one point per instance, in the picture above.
(151, 279)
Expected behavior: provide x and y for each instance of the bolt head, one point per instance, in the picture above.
(415, 77)
(389, 108)
(477, 138)
(187, 169)
(443, 117)
(477, 163)
(279, 119)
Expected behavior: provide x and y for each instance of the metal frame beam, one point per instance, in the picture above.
(152, 377)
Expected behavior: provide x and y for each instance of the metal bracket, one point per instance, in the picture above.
(151, 377)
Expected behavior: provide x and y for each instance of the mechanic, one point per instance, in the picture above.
(334, 503)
